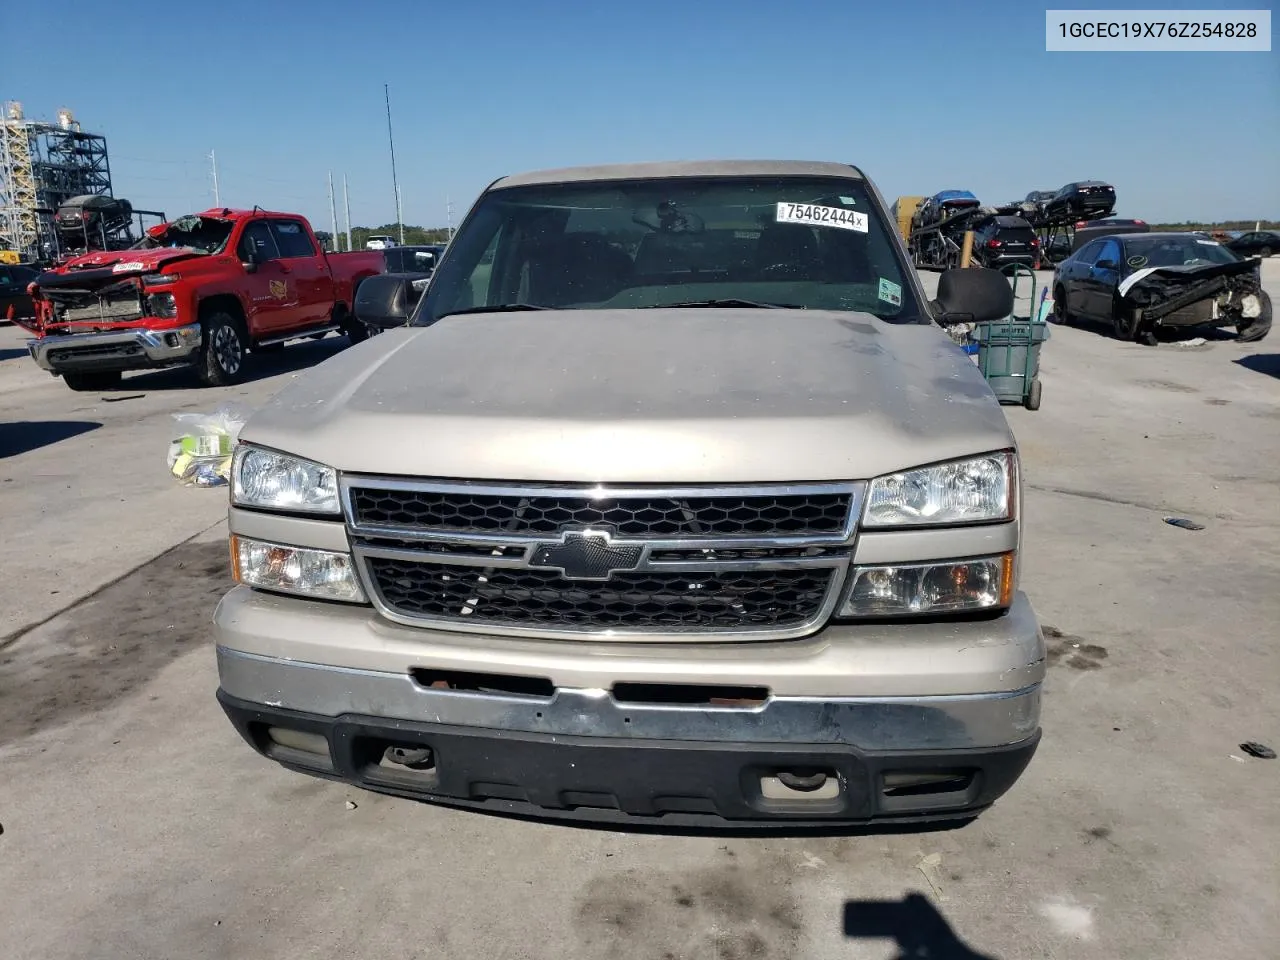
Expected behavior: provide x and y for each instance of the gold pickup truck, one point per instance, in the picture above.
(669, 501)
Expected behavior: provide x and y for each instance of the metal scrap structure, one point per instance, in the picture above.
(41, 166)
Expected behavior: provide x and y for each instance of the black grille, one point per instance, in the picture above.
(442, 546)
(97, 350)
(633, 600)
(686, 555)
(708, 516)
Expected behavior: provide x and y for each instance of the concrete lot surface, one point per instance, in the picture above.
(136, 824)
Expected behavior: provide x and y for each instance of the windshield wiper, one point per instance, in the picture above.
(729, 302)
(496, 308)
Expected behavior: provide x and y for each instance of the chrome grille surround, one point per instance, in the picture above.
(514, 549)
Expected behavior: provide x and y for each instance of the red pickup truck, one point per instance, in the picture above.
(202, 291)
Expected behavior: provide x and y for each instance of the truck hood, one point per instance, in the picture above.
(640, 396)
(105, 264)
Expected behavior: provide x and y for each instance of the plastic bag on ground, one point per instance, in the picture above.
(201, 453)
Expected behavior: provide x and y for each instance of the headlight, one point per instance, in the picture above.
(275, 481)
(963, 491)
(160, 279)
(309, 573)
(951, 586)
(163, 305)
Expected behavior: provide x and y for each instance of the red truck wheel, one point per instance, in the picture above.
(222, 355)
(354, 329)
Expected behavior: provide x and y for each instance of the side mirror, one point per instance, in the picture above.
(250, 260)
(972, 295)
(385, 301)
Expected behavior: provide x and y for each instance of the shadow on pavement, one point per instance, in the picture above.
(26, 435)
(294, 357)
(13, 354)
(1164, 335)
(914, 924)
(1268, 363)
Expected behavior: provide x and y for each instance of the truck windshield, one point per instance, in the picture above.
(799, 242)
(202, 234)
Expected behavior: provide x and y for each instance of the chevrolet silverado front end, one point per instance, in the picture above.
(654, 512)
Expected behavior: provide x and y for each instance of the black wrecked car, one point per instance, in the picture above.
(1082, 199)
(1139, 283)
(1256, 243)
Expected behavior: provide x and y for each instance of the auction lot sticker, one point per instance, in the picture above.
(818, 216)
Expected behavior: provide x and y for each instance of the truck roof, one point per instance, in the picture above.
(230, 213)
(683, 168)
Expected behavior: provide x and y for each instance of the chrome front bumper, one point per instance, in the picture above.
(949, 722)
(116, 349)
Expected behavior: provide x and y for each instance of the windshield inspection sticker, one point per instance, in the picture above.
(890, 292)
(811, 213)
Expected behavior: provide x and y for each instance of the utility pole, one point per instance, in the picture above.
(333, 213)
(399, 217)
(386, 93)
(213, 160)
(346, 202)
(448, 206)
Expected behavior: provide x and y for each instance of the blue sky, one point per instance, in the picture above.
(922, 95)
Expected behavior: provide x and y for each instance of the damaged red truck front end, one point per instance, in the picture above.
(107, 312)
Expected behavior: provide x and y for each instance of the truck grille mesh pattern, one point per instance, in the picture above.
(633, 600)
(549, 560)
(815, 514)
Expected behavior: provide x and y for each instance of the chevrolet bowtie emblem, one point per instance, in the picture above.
(586, 555)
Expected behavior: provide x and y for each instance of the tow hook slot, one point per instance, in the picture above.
(414, 758)
(803, 781)
(806, 784)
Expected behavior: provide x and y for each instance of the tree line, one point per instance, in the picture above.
(1188, 226)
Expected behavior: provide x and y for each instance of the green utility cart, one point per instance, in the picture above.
(1008, 351)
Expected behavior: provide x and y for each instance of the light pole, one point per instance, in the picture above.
(386, 93)
(346, 203)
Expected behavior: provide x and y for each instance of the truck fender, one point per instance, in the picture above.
(228, 303)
